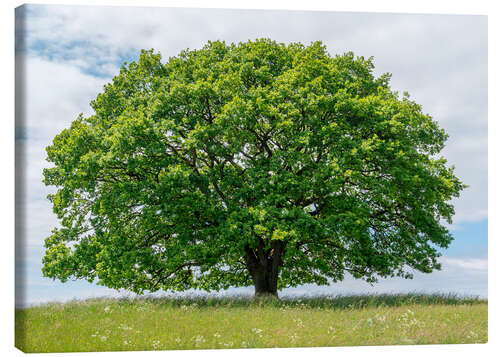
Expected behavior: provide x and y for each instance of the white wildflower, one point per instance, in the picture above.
(257, 331)
(408, 320)
(198, 340)
(380, 318)
(298, 322)
(472, 335)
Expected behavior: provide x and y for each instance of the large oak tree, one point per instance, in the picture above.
(256, 163)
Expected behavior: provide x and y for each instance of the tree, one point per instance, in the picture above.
(256, 163)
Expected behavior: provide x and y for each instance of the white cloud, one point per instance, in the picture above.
(54, 94)
(467, 277)
(469, 264)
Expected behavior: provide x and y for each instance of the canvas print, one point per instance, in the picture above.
(220, 178)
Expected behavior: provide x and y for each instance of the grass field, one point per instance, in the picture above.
(208, 323)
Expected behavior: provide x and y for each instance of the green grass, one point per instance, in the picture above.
(206, 323)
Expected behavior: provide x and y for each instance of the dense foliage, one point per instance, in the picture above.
(256, 163)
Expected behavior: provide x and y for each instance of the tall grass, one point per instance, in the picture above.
(243, 322)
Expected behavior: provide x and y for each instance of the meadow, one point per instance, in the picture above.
(239, 322)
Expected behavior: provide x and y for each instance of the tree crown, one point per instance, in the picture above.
(200, 171)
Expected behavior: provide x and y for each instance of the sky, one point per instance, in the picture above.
(65, 54)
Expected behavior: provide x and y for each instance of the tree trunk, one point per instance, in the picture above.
(263, 266)
(266, 283)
